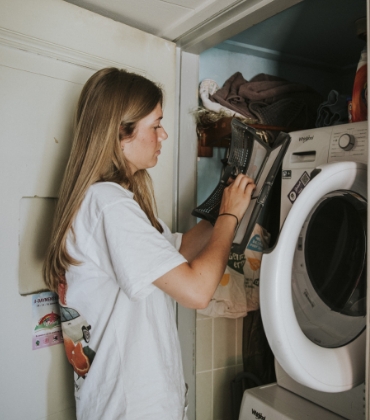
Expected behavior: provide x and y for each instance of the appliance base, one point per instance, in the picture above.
(272, 402)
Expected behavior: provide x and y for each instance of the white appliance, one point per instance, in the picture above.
(313, 283)
(272, 402)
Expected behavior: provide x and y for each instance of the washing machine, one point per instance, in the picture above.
(313, 282)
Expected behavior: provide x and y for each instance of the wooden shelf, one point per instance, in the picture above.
(218, 134)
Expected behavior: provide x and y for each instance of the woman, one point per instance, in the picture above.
(122, 265)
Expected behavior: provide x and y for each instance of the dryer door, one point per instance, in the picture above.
(312, 285)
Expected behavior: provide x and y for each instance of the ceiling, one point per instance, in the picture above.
(169, 19)
(317, 31)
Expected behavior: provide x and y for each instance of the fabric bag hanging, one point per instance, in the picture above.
(238, 291)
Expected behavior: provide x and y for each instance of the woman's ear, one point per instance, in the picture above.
(122, 135)
(123, 142)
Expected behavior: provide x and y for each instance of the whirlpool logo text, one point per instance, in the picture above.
(304, 139)
(258, 415)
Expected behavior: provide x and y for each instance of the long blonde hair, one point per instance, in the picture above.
(110, 105)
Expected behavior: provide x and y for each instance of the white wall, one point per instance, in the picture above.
(48, 49)
(220, 63)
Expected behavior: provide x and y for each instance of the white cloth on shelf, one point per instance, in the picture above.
(208, 87)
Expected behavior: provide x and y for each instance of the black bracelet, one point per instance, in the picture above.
(230, 214)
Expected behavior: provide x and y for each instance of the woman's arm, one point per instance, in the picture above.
(193, 284)
(194, 240)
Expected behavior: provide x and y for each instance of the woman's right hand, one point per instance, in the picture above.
(237, 196)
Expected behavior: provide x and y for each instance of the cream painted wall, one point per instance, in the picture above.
(66, 32)
(48, 49)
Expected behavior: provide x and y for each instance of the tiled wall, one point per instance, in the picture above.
(218, 361)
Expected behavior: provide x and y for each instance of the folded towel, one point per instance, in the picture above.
(271, 88)
(334, 111)
(272, 100)
(229, 97)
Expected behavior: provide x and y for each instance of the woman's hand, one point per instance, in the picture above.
(237, 196)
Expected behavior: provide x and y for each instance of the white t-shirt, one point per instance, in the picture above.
(119, 329)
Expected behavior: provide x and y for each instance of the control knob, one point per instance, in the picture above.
(346, 141)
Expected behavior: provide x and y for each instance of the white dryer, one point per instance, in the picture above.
(313, 283)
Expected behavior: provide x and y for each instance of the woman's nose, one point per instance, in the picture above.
(162, 135)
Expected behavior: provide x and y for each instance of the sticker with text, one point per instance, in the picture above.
(298, 187)
(45, 320)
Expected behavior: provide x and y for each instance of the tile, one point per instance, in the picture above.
(222, 399)
(224, 342)
(204, 344)
(203, 403)
(239, 340)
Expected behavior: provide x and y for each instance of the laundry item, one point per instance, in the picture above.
(207, 88)
(333, 111)
(273, 101)
(238, 292)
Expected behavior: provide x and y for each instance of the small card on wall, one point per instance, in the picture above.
(46, 321)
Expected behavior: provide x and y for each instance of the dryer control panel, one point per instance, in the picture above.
(311, 148)
(349, 143)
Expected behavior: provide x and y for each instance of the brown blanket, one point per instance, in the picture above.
(272, 100)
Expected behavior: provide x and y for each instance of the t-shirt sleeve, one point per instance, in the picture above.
(174, 238)
(139, 253)
(177, 240)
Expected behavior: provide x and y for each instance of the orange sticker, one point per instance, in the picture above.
(225, 280)
(254, 263)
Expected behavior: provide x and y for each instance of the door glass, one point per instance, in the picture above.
(329, 274)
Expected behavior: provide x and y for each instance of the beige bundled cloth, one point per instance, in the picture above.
(238, 292)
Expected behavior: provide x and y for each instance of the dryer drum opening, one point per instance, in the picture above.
(335, 251)
(329, 274)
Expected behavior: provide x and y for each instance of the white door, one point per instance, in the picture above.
(48, 49)
(318, 346)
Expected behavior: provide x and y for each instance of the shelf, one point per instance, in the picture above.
(218, 134)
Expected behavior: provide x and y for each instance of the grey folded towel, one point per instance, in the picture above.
(334, 111)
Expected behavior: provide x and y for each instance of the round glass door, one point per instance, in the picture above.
(329, 270)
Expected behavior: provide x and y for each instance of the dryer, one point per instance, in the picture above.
(313, 282)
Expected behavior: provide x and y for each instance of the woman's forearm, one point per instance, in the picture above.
(193, 284)
(195, 240)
